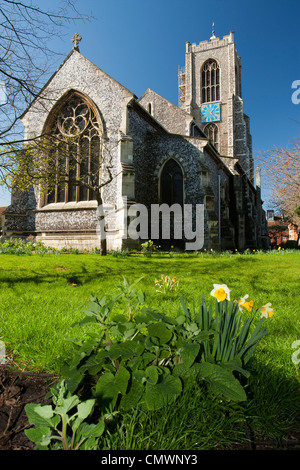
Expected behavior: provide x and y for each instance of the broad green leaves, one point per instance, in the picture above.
(109, 386)
(152, 356)
(64, 426)
(163, 392)
(144, 358)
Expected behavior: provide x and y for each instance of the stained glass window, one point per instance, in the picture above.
(77, 133)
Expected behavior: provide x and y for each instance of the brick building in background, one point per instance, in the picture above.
(281, 231)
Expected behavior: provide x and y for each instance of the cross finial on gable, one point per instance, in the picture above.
(76, 40)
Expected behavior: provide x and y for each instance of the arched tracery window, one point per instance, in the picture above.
(76, 143)
(210, 86)
(171, 183)
(212, 132)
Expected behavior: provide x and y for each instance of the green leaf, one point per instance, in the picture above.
(185, 309)
(160, 331)
(67, 405)
(180, 319)
(109, 386)
(92, 430)
(189, 352)
(134, 395)
(38, 416)
(152, 373)
(93, 364)
(89, 444)
(236, 364)
(222, 381)
(125, 350)
(228, 386)
(84, 409)
(187, 374)
(163, 392)
(73, 379)
(40, 435)
(159, 317)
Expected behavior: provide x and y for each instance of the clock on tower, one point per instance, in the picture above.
(210, 112)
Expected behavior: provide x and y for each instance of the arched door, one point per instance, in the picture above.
(171, 183)
(171, 192)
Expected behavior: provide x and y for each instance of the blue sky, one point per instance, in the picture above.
(141, 44)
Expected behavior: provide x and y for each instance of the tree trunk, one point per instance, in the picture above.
(101, 230)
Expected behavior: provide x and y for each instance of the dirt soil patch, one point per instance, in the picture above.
(19, 388)
(16, 390)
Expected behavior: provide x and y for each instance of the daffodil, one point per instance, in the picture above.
(266, 310)
(166, 284)
(220, 292)
(245, 303)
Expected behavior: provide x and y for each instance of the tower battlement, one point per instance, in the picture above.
(211, 43)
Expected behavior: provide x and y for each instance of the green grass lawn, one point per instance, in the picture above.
(42, 296)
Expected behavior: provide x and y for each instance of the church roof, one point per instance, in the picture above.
(175, 108)
(73, 51)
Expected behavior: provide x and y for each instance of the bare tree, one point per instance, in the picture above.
(281, 168)
(73, 161)
(25, 59)
(55, 162)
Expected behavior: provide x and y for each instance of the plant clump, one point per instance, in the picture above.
(144, 359)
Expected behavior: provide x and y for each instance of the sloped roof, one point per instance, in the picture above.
(73, 51)
(173, 106)
(2, 209)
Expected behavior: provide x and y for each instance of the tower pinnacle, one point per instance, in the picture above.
(213, 31)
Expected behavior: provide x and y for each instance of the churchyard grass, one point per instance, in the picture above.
(42, 296)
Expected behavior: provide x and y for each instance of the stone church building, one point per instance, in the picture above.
(199, 152)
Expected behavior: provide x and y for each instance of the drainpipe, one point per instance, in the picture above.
(219, 209)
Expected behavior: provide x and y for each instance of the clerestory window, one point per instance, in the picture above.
(210, 86)
(75, 147)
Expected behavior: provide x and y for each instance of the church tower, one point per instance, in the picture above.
(210, 89)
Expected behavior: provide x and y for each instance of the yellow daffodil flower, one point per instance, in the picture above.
(220, 292)
(245, 303)
(266, 311)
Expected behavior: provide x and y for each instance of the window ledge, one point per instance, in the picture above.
(61, 206)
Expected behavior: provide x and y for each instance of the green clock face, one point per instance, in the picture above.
(210, 112)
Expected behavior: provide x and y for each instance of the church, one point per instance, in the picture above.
(198, 152)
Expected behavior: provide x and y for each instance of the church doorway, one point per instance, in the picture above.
(171, 192)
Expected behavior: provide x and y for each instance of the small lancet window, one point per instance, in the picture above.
(212, 132)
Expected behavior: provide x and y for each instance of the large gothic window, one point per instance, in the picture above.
(210, 86)
(212, 132)
(75, 136)
(171, 183)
